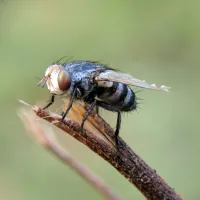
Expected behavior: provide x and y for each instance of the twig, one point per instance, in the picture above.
(44, 139)
(99, 137)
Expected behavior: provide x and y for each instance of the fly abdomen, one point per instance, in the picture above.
(119, 95)
(129, 102)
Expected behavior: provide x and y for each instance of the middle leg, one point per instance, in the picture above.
(87, 113)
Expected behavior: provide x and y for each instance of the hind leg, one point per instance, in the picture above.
(113, 109)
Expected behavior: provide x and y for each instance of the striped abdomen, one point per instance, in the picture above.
(118, 95)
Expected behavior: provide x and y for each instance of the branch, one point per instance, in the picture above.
(50, 144)
(99, 137)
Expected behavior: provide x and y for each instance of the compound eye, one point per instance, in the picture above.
(64, 80)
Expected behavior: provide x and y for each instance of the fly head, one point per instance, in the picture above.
(57, 79)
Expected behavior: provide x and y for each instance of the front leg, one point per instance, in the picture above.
(70, 103)
(50, 103)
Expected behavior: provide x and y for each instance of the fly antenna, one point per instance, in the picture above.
(42, 82)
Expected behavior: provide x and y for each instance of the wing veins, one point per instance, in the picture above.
(127, 79)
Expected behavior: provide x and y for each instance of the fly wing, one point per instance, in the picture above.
(127, 79)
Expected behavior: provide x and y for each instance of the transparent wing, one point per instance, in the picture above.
(127, 79)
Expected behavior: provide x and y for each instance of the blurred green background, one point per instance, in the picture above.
(153, 40)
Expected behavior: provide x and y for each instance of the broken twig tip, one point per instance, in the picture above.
(23, 102)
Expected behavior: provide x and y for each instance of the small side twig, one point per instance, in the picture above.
(99, 137)
(50, 144)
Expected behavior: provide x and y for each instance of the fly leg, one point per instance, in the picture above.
(50, 103)
(87, 113)
(70, 103)
(113, 109)
(118, 126)
(97, 110)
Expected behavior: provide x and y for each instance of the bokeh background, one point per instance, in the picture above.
(153, 40)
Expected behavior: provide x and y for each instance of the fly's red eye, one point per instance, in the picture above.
(64, 80)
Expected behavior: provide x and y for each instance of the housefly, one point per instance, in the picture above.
(97, 85)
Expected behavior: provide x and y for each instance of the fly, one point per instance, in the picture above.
(95, 84)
